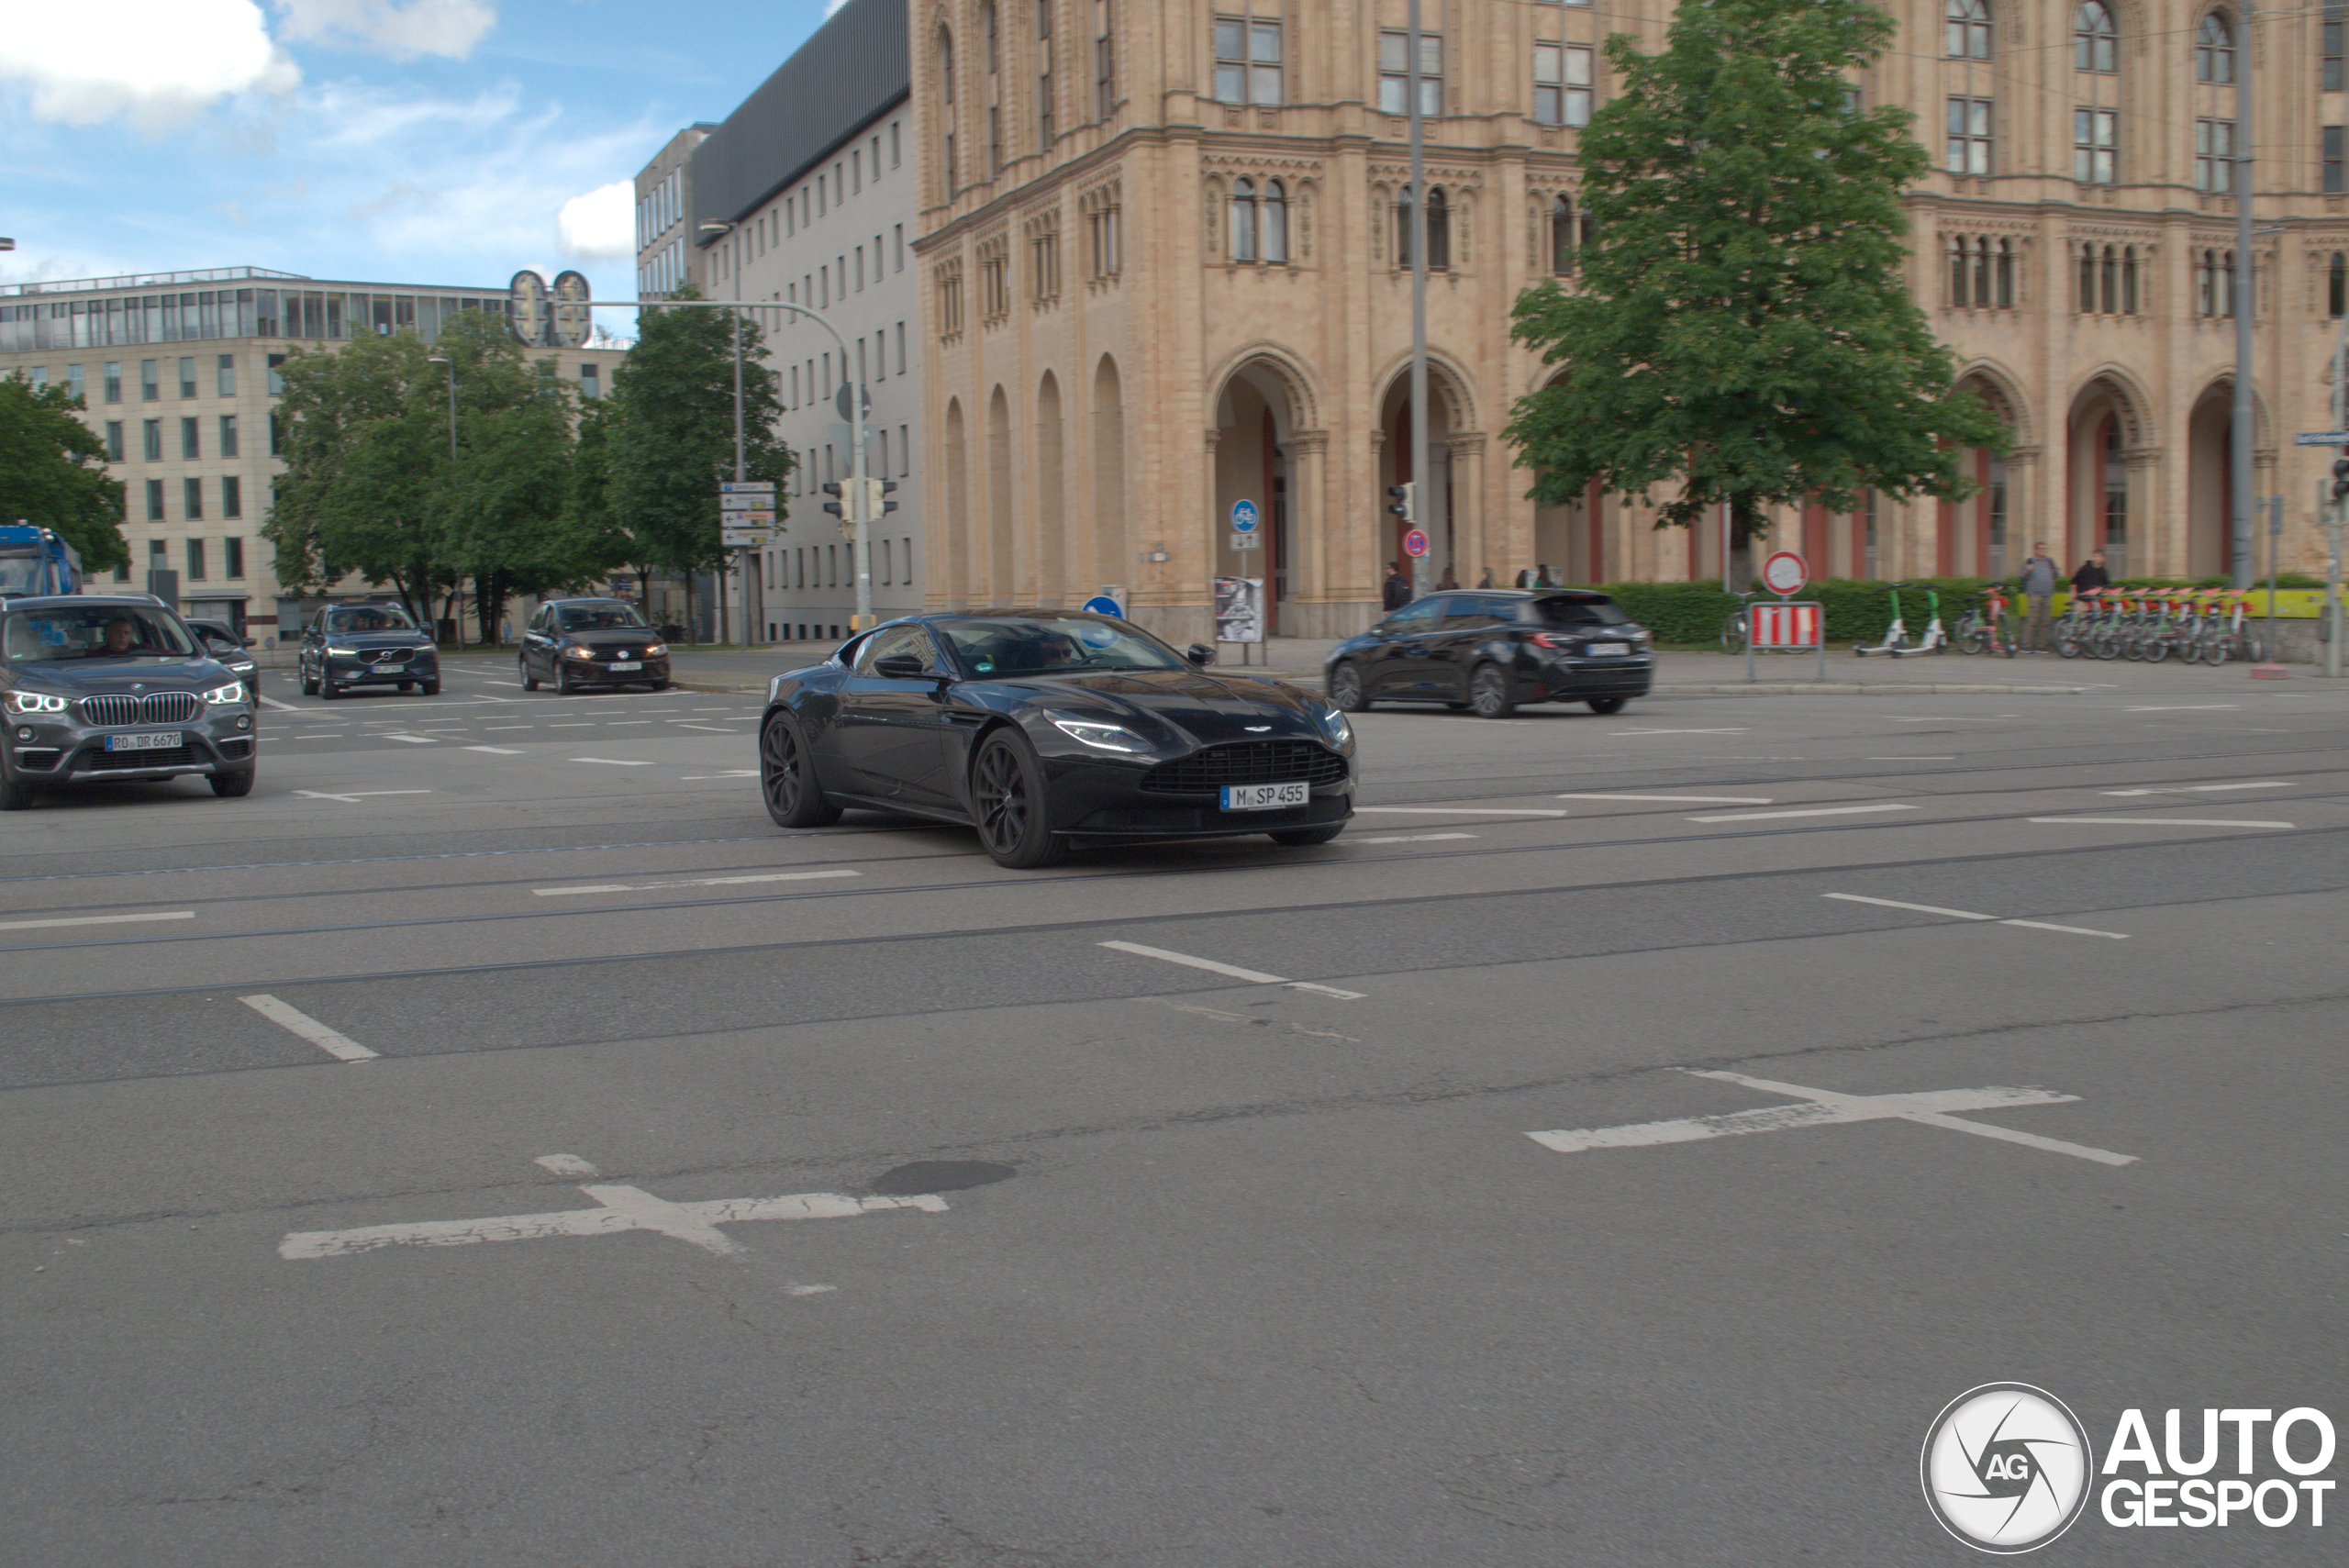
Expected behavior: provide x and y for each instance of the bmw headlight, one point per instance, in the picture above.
(225, 696)
(342, 653)
(1102, 737)
(34, 702)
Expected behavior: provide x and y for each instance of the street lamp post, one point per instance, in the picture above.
(451, 363)
(1422, 566)
(2239, 558)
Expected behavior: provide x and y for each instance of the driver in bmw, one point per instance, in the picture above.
(122, 636)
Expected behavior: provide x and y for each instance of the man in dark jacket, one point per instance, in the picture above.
(2091, 574)
(1398, 590)
(2039, 575)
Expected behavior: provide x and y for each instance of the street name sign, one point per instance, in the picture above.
(2322, 439)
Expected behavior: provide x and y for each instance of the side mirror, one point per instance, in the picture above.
(899, 667)
(252, 642)
(1200, 654)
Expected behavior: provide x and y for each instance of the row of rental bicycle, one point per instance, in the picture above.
(2200, 626)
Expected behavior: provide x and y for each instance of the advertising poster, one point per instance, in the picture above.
(1240, 610)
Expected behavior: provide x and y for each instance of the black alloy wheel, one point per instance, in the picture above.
(530, 682)
(1606, 705)
(787, 782)
(562, 688)
(1008, 786)
(1321, 835)
(1489, 693)
(1347, 693)
(309, 685)
(236, 786)
(328, 690)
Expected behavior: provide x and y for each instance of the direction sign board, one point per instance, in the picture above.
(752, 501)
(1243, 517)
(2322, 439)
(1784, 574)
(746, 488)
(1415, 543)
(745, 538)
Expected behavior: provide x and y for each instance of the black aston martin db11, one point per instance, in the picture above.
(1045, 730)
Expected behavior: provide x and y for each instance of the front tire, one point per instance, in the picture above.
(787, 779)
(1606, 705)
(15, 795)
(1347, 693)
(563, 680)
(1489, 693)
(1307, 835)
(530, 682)
(1007, 788)
(328, 690)
(431, 688)
(234, 786)
(309, 685)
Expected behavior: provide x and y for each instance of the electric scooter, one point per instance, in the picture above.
(1896, 641)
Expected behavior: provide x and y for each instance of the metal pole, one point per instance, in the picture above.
(2274, 548)
(1420, 477)
(741, 556)
(2239, 557)
(860, 519)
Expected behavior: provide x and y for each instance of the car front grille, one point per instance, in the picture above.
(155, 707)
(1247, 762)
(123, 762)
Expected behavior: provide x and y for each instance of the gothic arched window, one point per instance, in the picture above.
(1439, 231)
(1275, 223)
(1243, 221)
(2214, 50)
(2006, 274)
(2337, 287)
(2129, 281)
(2094, 45)
(1561, 236)
(946, 96)
(1969, 23)
(2110, 302)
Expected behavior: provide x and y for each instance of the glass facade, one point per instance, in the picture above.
(213, 314)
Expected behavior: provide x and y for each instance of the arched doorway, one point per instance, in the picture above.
(1441, 492)
(2107, 493)
(1000, 590)
(1051, 538)
(957, 550)
(2210, 479)
(1255, 424)
(1976, 537)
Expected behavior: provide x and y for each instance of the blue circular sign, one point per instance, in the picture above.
(1102, 605)
(1243, 517)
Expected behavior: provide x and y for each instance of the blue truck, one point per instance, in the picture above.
(37, 561)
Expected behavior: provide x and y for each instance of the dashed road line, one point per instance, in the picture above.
(413, 740)
(1738, 730)
(2197, 789)
(1685, 799)
(294, 1021)
(2159, 821)
(1970, 915)
(94, 920)
(1802, 811)
(1412, 838)
(1456, 811)
(499, 750)
(691, 881)
(565, 1164)
(2184, 708)
(613, 761)
(1253, 976)
(357, 795)
(621, 1209)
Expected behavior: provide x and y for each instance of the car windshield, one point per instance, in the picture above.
(370, 618)
(94, 632)
(1053, 645)
(1581, 610)
(597, 617)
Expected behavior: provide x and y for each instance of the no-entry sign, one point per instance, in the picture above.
(1784, 574)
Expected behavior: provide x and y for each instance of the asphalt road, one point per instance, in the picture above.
(494, 1142)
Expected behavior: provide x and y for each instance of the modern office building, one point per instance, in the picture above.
(666, 252)
(1163, 272)
(806, 195)
(178, 373)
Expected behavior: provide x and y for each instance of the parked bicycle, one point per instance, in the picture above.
(1987, 625)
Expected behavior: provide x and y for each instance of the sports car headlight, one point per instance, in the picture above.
(1103, 737)
(34, 702)
(1335, 724)
(342, 653)
(225, 696)
(576, 652)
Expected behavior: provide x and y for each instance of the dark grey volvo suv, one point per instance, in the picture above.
(116, 689)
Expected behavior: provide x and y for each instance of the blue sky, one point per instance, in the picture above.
(423, 142)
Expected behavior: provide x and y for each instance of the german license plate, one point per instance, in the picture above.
(1609, 650)
(389, 664)
(1264, 797)
(162, 740)
(628, 664)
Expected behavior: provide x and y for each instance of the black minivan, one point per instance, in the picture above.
(1487, 649)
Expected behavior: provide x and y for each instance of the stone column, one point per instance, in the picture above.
(2023, 494)
(2149, 551)
(1471, 529)
(1309, 507)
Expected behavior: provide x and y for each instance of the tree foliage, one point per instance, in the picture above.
(1741, 325)
(53, 473)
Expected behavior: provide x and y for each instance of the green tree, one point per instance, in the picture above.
(53, 473)
(1741, 325)
(671, 438)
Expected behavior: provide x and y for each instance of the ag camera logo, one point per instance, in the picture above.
(2006, 1467)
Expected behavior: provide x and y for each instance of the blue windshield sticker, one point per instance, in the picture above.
(987, 667)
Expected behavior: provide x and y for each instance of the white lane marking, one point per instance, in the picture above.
(729, 773)
(1821, 1107)
(2184, 708)
(2194, 789)
(711, 729)
(612, 761)
(357, 795)
(494, 727)
(498, 750)
(1908, 759)
(1970, 915)
(1411, 838)
(565, 1164)
(294, 1021)
(1803, 811)
(1945, 718)
(691, 881)
(2161, 821)
(1685, 799)
(1738, 730)
(94, 920)
(623, 724)
(623, 1208)
(414, 739)
(272, 702)
(575, 724)
(1253, 976)
(1453, 811)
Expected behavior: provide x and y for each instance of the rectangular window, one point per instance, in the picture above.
(192, 498)
(2214, 155)
(187, 375)
(228, 434)
(901, 348)
(195, 552)
(150, 387)
(1395, 73)
(2336, 12)
(885, 450)
(901, 238)
(860, 268)
(74, 380)
(893, 144)
(277, 381)
(232, 552)
(151, 440)
(1105, 74)
(155, 501)
(1969, 136)
(114, 381)
(191, 448)
(114, 440)
(2334, 137)
(795, 386)
(226, 371)
(233, 505)
(1247, 61)
(904, 453)
(1561, 85)
(2096, 135)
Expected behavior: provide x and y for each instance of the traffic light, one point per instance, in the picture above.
(1406, 504)
(2341, 478)
(833, 505)
(888, 488)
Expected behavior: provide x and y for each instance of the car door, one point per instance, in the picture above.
(312, 659)
(1469, 624)
(535, 644)
(1398, 667)
(891, 731)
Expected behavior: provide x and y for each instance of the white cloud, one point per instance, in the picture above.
(830, 6)
(156, 63)
(400, 29)
(600, 225)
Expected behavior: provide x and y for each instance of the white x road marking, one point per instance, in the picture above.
(1820, 1106)
(624, 1208)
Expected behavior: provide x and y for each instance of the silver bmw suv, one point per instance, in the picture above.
(116, 689)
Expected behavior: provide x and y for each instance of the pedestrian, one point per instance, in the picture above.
(1447, 582)
(1397, 592)
(2039, 575)
(1525, 576)
(1546, 580)
(1487, 580)
(2091, 574)
(505, 629)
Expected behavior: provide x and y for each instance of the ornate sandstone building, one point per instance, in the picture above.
(1163, 274)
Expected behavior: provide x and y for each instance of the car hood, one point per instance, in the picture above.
(373, 641)
(1201, 709)
(95, 677)
(614, 637)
